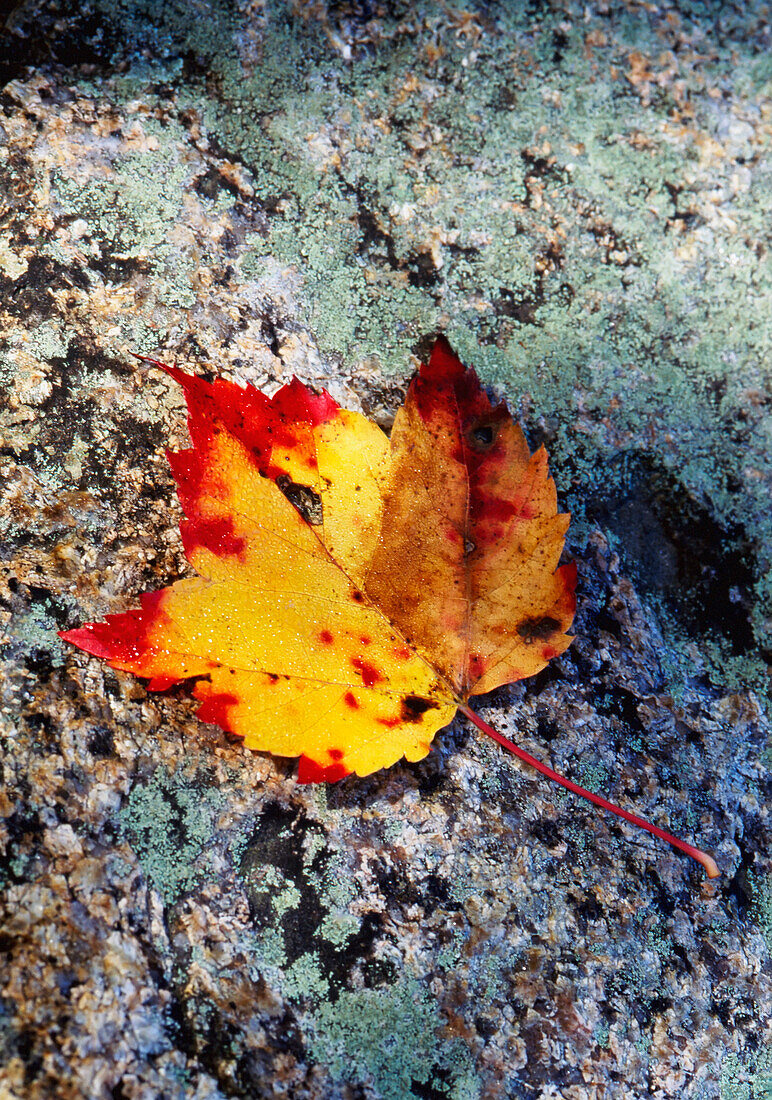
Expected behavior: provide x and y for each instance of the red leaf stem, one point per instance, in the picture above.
(702, 857)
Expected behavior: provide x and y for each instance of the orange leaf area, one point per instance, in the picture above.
(352, 590)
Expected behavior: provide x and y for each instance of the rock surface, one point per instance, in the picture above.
(578, 196)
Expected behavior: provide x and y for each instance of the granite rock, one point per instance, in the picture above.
(578, 196)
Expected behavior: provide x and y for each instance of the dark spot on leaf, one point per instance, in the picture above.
(533, 630)
(357, 596)
(303, 497)
(413, 706)
(482, 435)
(326, 637)
(335, 754)
(350, 700)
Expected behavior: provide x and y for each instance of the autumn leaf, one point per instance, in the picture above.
(353, 591)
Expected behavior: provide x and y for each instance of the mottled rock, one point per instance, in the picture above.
(578, 195)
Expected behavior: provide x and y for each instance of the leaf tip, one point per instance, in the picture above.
(298, 402)
(443, 361)
(87, 638)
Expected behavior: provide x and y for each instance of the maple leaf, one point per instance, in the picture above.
(353, 591)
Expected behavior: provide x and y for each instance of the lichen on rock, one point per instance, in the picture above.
(579, 200)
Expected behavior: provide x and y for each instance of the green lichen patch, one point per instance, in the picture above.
(317, 954)
(170, 823)
(48, 341)
(392, 1040)
(761, 888)
(300, 893)
(747, 1077)
(128, 215)
(34, 634)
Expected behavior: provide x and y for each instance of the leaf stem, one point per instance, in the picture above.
(702, 857)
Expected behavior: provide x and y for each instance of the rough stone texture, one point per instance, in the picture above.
(579, 196)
